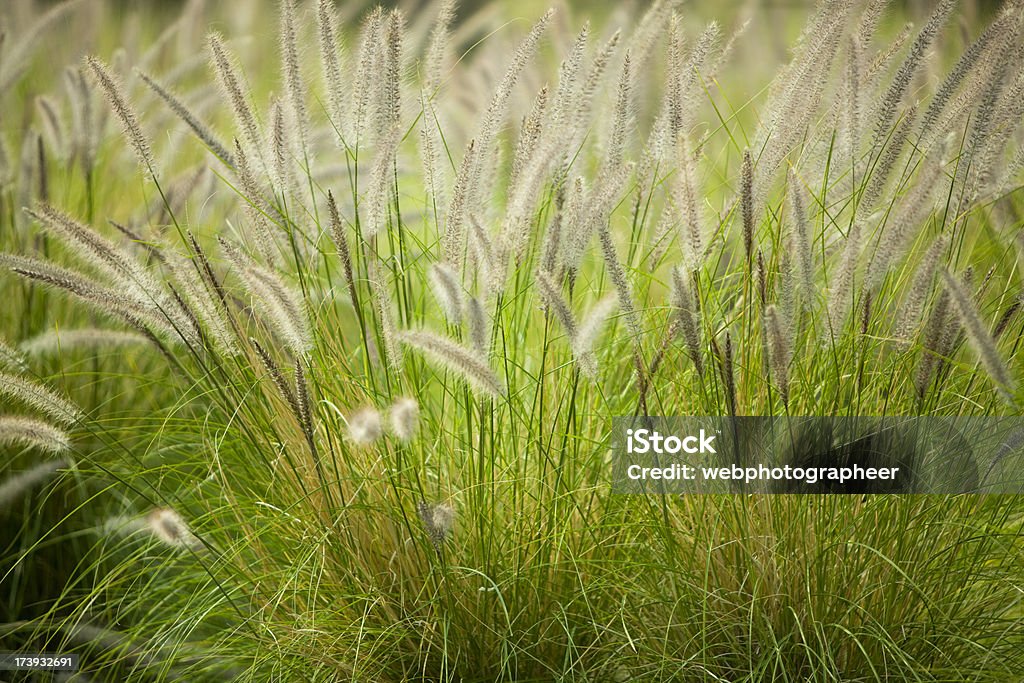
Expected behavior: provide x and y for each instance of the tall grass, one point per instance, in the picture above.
(343, 361)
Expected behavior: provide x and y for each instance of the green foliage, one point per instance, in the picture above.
(346, 381)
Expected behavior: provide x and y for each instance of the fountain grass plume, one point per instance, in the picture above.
(17, 485)
(978, 336)
(462, 361)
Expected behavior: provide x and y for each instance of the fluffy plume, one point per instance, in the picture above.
(169, 527)
(555, 303)
(693, 242)
(688, 311)
(304, 402)
(93, 338)
(462, 361)
(11, 358)
(14, 486)
(937, 332)
(366, 86)
(621, 118)
(468, 185)
(800, 239)
(254, 207)
(99, 252)
(842, 282)
(587, 333)
(585, 105)
(404, 417)
(430, 154)
(331, 60)
(567, 96)
(887, 106)
(576, 232)
(747, 204)
(114, 92)
(192, 120)
(344, 252)
(24, 431)
(39, 398)
(883, 168)
(965, 65)
(387, 129)
(231, 82)
(618, 276)
(486, 256)
(103, 299)
(977, 334)
(438, 521)
(447, 291)
(364, 426)
(292, 75)
(452, 239)
(281, 149)
(479, 325)
(278, 378)
(283, 307)
(437, 52)
(382, 304)
(779, 350)
(195, 285)
(917, 294)
(529, 134)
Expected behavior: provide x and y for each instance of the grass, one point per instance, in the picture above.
(233, 510)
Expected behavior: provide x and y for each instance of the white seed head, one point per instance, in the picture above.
(364, 426)
(438, 521)
(169, 527)
(14, 486)
(447, 290)
(24, 431)
(457, 358)
(404, 417)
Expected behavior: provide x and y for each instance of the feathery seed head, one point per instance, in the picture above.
(331, 60)
(292, 74)
(170, 528)
(192, 120)
(437, 52)
(404, 417)
(16, 430)
(448, 291)
(38, 397)
(978, 336)
(110, 84)
(462, 361)
(14, 486)
(588, 332)
(438, 521)
(779, 350)
(479, 325)
(231, 81)
(747, 204)
(688, 315)
(93, 338)
(11, 358)
(555, 303)
(364, 426)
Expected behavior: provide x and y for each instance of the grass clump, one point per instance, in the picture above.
(359, 363)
